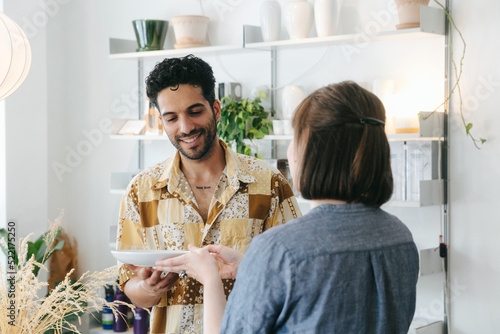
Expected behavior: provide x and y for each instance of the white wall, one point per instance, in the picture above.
(3, 182)
(3, 165)
(475, 174)
(26, 134)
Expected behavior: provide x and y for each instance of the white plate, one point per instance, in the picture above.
(145, 258)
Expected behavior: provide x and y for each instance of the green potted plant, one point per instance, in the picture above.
(42, 249)
(243, 120)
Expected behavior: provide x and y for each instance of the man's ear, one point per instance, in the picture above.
(217, 109)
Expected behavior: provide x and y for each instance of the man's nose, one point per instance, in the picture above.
(186, 125)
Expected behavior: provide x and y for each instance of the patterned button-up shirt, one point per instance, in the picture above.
(159, 211)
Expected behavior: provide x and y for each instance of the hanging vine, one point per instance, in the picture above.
(458, 70)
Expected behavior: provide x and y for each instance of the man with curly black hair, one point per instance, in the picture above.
(204, 195)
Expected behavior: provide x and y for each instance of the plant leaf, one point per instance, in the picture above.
(259, 135)
(42, 250)
(262, 95)
(483, 140)
(468, 127)
(32, 250)
(59, 246)
(5, 236)
(255, 122)
(248, 150)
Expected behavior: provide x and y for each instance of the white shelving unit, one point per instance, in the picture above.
(432, 25)
(391, 137)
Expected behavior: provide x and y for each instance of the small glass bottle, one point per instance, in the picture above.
(141, 321)
(120, 322)
(107, 314)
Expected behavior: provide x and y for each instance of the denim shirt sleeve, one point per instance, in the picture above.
(261, 291)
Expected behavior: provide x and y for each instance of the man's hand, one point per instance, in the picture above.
(149, 285)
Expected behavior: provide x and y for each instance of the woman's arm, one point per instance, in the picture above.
(202, 266)
(214, 301)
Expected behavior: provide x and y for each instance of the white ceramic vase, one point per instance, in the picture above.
(299, 18)
(325, 17)
(270, 20)
(190, 30)
(290, 99)
(409, 13)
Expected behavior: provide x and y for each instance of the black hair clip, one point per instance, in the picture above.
(371, 121)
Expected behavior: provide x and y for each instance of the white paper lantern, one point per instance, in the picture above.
(15, 56)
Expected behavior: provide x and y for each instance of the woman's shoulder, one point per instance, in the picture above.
(336, 229)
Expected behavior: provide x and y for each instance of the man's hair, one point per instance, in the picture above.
(342, 149)
(172, 72)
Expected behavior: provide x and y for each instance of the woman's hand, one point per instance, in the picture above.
(228, 260)
(198, 263)
(207, 265)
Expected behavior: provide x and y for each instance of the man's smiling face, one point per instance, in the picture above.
(189, 120)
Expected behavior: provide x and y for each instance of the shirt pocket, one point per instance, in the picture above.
(238, 233)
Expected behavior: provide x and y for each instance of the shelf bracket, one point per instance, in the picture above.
(251, 34)
(432, 20)
(118, 45)
(140, 76)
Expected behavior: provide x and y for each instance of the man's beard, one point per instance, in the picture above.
(200, 150)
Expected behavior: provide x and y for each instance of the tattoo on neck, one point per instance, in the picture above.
(203, 187)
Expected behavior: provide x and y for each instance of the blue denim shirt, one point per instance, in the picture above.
(339, 269)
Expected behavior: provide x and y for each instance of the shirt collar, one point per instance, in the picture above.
(236, 170)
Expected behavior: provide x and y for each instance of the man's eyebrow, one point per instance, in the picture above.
(188, 108)
(195, 105)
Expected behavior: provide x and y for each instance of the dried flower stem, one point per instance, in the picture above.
(28, 314)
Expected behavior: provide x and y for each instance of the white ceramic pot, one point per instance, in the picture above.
(325, 17)
(298, 18)
(291, 98)
(270, 20)
(409, 13)
(190, 30)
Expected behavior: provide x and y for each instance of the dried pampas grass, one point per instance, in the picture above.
(23, 312)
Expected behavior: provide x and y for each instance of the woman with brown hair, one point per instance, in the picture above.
(347, 266)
